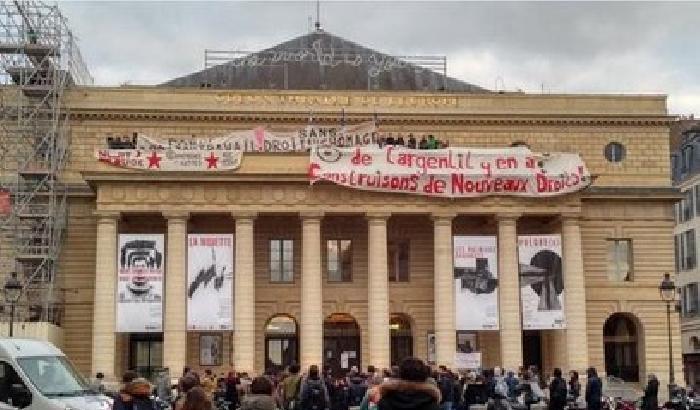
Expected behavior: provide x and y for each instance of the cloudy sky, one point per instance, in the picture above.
(598, 47)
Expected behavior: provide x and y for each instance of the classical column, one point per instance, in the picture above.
(378, 292)
(244, 294)
(175, 314)
(574, 295)
(311, 329)
(444, 296)
(104, 318)
(509, 292)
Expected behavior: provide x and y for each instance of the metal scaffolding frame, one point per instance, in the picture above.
(40, 59)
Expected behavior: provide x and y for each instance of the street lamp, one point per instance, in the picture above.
(667, 290)
(12, 291)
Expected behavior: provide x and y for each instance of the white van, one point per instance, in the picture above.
(35, 375)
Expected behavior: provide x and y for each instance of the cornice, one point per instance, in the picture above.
(432, 118)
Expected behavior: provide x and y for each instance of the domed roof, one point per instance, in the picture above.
(322, 61)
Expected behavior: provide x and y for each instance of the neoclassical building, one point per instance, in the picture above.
(338, 275)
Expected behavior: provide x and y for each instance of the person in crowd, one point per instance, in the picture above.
(574, 386)
(260, 397)
(123, 395)
(209, 383)
(186, 383)
(314, 394)
(594, 390)
(197, 399)
(356, 387)
(650, 400)
(529, 389)
(371, 372)
(231, 390)
(432, 142)
(137, 396)
(512, 383)
(409, 391)
(290, 387)
(390, 140)
(423, 144)
(372, 396)
(411, 143)
(340, 393)
(446, 385)
(557, 391)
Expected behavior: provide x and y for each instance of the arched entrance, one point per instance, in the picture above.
(621, 341)
(341, 343)
(401, 338)
(281, 342)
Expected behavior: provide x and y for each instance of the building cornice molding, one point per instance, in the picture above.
(407, 118)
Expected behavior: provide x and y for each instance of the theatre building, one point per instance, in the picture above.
(206, 229)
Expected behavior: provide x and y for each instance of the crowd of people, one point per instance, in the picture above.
(412, 385)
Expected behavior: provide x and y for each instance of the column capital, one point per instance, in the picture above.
(443, 217)
(174, 216)
(570, 219)
(376, 216)
(506, 217)
(244, 215)
(107, 216)
(311, 215)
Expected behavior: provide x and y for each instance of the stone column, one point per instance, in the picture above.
(311, 328)
(175, 314)
(574, 295)
(444, 296)
(378, 292)
(244, 294)
(104, 318)
(509, 292)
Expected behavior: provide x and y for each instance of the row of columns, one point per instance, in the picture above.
(311, 318)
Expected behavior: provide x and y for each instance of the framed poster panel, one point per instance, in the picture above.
(140, 268)
(541, 282)
(476, 282)
(210, 350)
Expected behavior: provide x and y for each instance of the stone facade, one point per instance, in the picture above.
(269, 197)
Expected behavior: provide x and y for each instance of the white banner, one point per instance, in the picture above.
(170, 160)
(140, 264)
(476, 282)
(541, 281)
(263, 140)
(468, 361)
(450, 173)
(210, 282)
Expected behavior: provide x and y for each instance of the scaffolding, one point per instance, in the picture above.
(40, 59)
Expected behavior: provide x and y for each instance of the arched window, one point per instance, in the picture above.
(401, 338)
(341, 343)
(281, 342)
(621, 347)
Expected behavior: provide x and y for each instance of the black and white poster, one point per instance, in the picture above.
(541, 281)
(476, 282)
(210, 282)
(140, 267)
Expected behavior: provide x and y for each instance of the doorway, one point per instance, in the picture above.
(341, 343)
(532, 349)
(621, 348)
(401, 338)
(281, 343)
(146, 353)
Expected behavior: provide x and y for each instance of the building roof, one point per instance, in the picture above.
(321, 61)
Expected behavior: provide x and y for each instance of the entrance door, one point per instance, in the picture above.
(281, 343)
(341, 343)
(401, 338)
(620, 341)
(532, 349)
(146, 353)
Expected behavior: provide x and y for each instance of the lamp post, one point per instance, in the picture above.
(12, 292)
(667, 290)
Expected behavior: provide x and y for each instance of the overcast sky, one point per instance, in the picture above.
(598, 47)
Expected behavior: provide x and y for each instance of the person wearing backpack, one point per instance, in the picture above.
(290, 387)
(557, 391)
(314, 394)
(357, 387)
(500, 391)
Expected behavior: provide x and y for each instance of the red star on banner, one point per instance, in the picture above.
(154, 160)
(211, 161)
